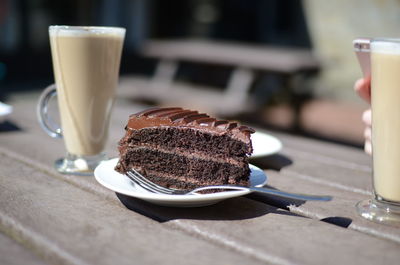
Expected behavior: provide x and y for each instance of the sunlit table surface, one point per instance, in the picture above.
(49, 218)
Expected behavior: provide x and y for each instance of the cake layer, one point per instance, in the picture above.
(187, 138)
(176, 182)
(238, 161)
(184, 168)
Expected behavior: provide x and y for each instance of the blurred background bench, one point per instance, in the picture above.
(246, 64)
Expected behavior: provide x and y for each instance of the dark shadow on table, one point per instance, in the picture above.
(338, 220)
(231, 209)
(275, 162)
(8, 126)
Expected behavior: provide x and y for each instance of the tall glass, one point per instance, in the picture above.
(385, 96)
(86, 64)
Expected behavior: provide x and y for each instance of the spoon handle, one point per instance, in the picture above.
(296, 196)
(304, 197)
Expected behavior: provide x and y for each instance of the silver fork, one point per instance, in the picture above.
(146, 184)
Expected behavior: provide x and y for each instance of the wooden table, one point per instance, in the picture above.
(49, 218)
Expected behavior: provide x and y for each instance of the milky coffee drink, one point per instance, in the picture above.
(385, 66)
(86, 68)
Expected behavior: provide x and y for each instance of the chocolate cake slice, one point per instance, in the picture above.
(185, 149)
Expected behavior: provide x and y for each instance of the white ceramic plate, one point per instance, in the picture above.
(109, 178)
(264, 144)
(4, 111)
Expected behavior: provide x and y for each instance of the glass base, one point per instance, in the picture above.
(379, 212)
(79, 165)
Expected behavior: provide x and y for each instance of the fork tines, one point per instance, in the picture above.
(143, 182)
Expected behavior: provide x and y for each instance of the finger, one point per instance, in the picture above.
(368, 134)
(367, 117)
(363, 88)
(368, 148)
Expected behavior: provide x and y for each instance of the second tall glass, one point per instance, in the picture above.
(385, 96)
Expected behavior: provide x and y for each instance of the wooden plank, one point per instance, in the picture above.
(12, 253)
(267, 58)
(344, 167)
(331, 153)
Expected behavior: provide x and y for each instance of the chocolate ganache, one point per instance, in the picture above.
(186, 118)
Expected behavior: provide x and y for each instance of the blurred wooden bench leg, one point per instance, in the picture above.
(165, 72)
(239, 85)
(299, 94)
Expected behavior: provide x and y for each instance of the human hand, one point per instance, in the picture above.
(363, 88)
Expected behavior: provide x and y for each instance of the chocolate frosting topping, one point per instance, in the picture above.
(179, 117)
